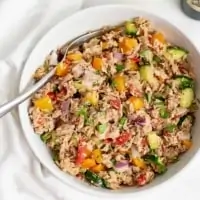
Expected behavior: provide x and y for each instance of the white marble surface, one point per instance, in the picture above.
(22, 24)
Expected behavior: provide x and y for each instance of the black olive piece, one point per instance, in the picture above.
(77, 95)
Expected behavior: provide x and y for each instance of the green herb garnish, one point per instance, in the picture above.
(122, 122)
(46, 137)
(157, 59)
(55, 88)
(148, 97)
(184, 82)
(120, 68)
(164, 113)
(83, 112)
(170, 128)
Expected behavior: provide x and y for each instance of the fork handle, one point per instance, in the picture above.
(7, 107)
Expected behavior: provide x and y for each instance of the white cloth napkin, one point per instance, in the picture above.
(22, 24)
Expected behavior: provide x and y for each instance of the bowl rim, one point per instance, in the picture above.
(89, 191)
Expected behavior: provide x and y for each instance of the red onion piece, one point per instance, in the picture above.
(65, 106)
(121, 164)
(118, 56)
(138, 120)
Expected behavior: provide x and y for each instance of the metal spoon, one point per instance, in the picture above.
(7, 107)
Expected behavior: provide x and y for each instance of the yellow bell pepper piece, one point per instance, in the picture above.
(96, 154)
(62, 69)
(159, 37)
(136, 102)
(92, 97)
(97, 63)
(98, 168)
(88, 163)
(74, 56)
(44, 104)
(187, 143)
(128, 44)
(104, 45)
(139, 162)
(119, 82)
(131, 65)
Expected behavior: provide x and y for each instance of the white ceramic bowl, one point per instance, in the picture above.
(78, 23)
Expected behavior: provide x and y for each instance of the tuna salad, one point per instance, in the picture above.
(120, 107)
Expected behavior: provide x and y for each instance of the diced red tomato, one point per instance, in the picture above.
(123, 138)
(108, 140)
(81, 153)
(136, 59)
(115, 103)
(141, 179)
(144, 142)
(52, 96)
(62, 92)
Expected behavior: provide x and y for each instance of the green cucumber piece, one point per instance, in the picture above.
(146, 73)
(177, 53)
(157, 59)
(184, 82)
(183, 118)
(95, 179)
(101, 128)
(130, 28)
(122, 122)
(159, 100)
(187, 97)
(154, 159)
(147, 55)
(153, 140)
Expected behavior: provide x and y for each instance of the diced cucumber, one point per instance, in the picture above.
(147, 55)
(146, 73)
(102, 128)
(78, 85)
(159, 100)
(183, 118)
(130, 28)
(153, 140)
(154, 159)
(95, 179)
(184, 82)
(177, 53)
(157, 59)
(187, 97)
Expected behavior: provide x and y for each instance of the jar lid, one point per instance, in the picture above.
(191, 8)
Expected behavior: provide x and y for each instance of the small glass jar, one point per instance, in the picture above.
(191, 8)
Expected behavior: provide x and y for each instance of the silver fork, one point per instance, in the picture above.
(7, 107)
